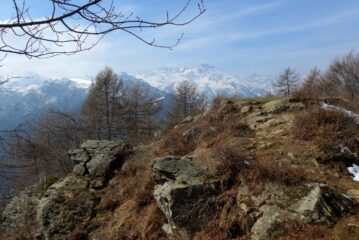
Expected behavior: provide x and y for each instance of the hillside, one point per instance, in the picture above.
(246, 169)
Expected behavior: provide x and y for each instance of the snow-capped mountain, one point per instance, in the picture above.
(23, 99)
(208, 80)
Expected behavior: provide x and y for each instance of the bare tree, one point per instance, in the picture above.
(141, 114)
(39, 149)
(69, 26)
(342, 77)
(188, 102)
(287, 81)
(102, 109)
(311, 85)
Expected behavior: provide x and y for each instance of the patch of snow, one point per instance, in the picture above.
(355, 171)
(81, 83)
(51, 100)
(350, 114)
(159, 99)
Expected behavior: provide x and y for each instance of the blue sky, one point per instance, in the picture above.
(237, 36)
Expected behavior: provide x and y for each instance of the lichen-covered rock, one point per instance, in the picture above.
(278, 205)
(99, 158)
(184, 197)
(21, 210)
(324, 204)
(183, 170)
(186, 206)
(64, 205)
(276, 106)
(270, 225)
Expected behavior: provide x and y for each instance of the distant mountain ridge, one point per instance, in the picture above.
(24, 99)
(208, 80)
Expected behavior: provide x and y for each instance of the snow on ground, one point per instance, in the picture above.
(355, 168)
(355, 171)
(350, 114)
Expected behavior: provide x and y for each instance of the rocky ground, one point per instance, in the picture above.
(247, 169)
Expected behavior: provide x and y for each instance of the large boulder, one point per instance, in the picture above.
(98, 159)
(278, 205)
(182, 170)
(186, 199)
(324, 204)
(270, 224)
(186, 206)
(65, 205)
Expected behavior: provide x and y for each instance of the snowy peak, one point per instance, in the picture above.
(207, 79)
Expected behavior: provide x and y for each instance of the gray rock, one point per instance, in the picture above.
(183, 170)
(270, 225)
(186, 206)
(97, 184)
(324, 204)
(187, 119)
(99, 158)
(186, 199)
(21, 210)
(64, 205)
(80, 169)
(314, 203)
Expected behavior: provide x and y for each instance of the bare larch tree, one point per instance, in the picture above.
(287, 81)
(342, 77)
(71, 26)
(101, 110)
(311, 85)
(188, 102)
(141, 114)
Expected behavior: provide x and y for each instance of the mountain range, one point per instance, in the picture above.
(25, 98)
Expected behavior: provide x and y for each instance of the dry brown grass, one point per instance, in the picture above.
(127, 208)
(174, 143)
(327, 130)
(264, 168)
(317, 123)
(307, 232)
(24, 233)
(230, 161)
(284, 173)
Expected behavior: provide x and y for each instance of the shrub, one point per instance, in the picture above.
(49, 181)
(24, 233)
(286, 174)
(175, 144)
(230, 161)
(317, 123)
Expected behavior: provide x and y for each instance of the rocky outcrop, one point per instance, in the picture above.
(184, 196)
(65, 205)
(182, 170)
(21, 211)
(278, 205)
(324, 204)
(70, 202)
(98, 159)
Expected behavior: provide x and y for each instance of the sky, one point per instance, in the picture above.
(241, 37)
